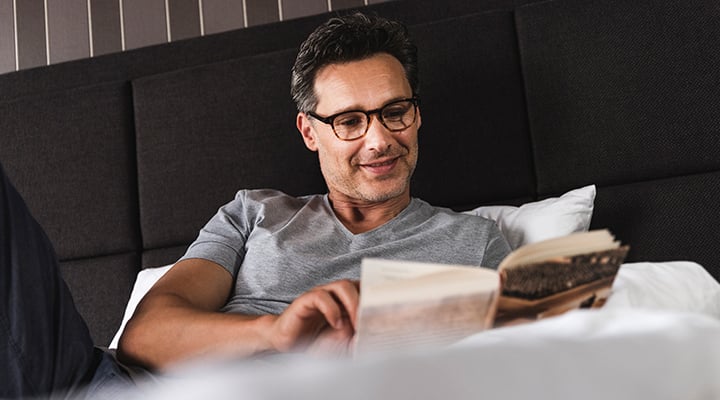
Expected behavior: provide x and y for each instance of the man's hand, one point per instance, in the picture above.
(320, 320)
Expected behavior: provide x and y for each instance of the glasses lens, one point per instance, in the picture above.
(399, 115)
(350, 124)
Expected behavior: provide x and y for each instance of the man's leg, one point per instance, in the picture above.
(45, 345)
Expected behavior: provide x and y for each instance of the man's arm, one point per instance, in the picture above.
(178, 319)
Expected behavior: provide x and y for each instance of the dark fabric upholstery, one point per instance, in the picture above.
(204, 133)
(101, 288)
(473, 113)
(162, 256)
(71, 156)
(664, 220)
(620, 91)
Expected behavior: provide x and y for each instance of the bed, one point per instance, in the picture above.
(123, 157)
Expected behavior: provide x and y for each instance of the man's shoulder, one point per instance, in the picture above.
(264, 196)
(275, 204)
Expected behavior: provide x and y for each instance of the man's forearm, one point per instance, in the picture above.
(167, 331)
(179, 319)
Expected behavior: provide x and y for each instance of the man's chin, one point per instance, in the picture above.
(384, 193)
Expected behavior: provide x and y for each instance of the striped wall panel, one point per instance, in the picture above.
(68, 33)
(7, 37)
(30, 33)
(40, 32)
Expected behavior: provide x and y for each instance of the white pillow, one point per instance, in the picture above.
(545, 219)
(145, 280)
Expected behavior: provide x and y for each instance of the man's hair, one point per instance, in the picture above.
(349, 38)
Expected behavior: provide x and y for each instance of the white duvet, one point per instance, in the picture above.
(658, 337)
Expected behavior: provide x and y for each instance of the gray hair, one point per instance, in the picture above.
(350, 38)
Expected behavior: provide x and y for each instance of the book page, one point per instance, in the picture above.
(566, 246)
(407, 305)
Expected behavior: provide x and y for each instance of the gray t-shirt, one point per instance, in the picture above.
(277, 246)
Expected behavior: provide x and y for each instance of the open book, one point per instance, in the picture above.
(405, 304)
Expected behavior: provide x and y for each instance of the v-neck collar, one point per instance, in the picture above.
(387, 225)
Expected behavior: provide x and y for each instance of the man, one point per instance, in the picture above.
(285, 268)
(273, 273)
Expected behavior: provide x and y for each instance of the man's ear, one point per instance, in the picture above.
(307, 131)
(419, 118)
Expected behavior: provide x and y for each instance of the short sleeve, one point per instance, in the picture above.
(222, 239)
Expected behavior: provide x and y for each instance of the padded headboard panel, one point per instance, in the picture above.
(76, 148)
(655, 88)
(224, 127)
(93, 124)
(665, 219)
(636, 112)
(473, 108)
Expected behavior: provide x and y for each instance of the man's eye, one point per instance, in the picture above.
(394, 113)
(348, 122)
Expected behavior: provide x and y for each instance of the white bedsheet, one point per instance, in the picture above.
(612, 354)
(658, 337)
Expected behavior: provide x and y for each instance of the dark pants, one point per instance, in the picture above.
(45, 346)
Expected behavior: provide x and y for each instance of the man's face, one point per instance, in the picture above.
(378, 166)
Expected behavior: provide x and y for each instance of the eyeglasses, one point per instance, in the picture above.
(351, 125)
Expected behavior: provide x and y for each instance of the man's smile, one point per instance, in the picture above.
(381, 167)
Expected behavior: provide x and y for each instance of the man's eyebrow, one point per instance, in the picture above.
(358, 108)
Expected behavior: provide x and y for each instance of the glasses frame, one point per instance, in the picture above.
(415, 100)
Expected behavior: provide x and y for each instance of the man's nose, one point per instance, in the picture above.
(378, 137)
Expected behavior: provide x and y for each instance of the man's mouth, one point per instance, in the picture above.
(381, 164)
(380, 167)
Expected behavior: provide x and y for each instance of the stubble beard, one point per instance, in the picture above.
(353, 186)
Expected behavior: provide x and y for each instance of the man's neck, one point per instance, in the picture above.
(359, 217)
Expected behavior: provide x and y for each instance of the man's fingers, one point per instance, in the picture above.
(332, 306)
(346, 293)
(325, 302)
(335, 301)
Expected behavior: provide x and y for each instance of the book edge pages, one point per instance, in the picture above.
(565, 246)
